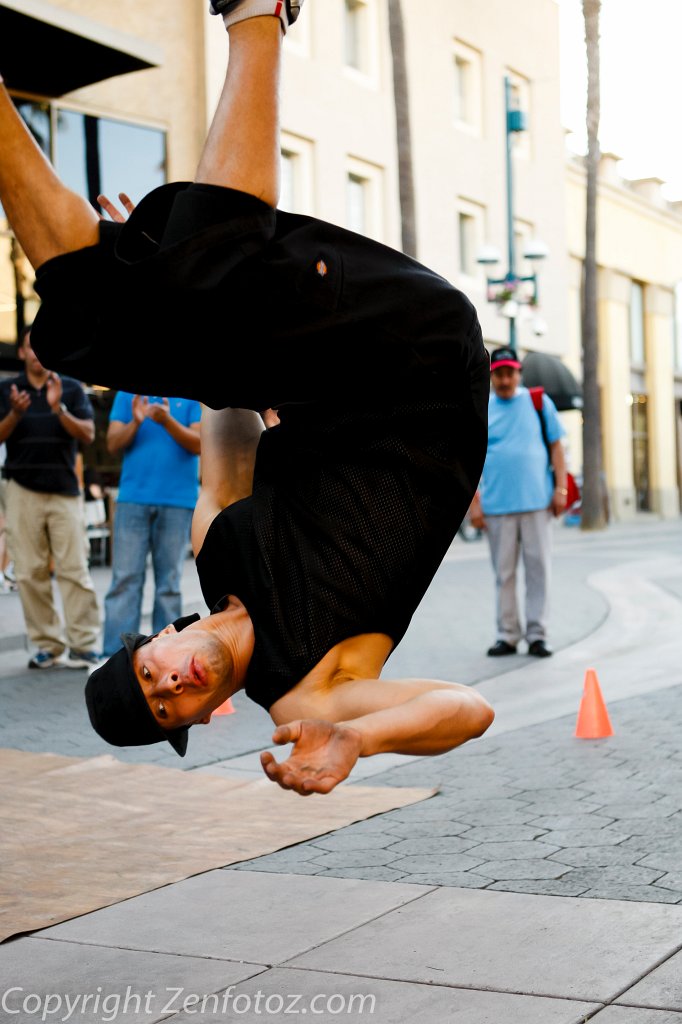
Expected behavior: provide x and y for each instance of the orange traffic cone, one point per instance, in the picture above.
(225, 709)
(593, 719)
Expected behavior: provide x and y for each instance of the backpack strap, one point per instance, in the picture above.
(537, 397)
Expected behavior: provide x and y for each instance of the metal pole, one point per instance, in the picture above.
(511, 273)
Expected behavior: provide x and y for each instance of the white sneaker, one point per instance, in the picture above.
(81, 659)
(234, 11)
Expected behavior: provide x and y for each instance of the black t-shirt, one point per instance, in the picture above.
(350, 516)
(41, 455)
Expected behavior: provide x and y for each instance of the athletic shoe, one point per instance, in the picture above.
(44, 659)
(239, 10)
(500, 649)
(81, 659)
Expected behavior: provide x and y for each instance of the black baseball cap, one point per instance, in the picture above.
(118, 709)
(505, 357)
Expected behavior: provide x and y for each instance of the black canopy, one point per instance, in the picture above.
(543, 370)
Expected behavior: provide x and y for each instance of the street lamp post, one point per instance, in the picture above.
(512, 290)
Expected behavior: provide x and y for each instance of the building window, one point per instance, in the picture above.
(296, 172)
(467, 244)
(467, 87)
(677, 330)
(356, 203)
(640, 451)
(287, 192)
(91, 155)
(470, 235)
(99, 154)
(364, 199)
(356, 35)
(637, 348)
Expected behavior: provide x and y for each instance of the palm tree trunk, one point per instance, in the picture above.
(593, 517)
(403, 131)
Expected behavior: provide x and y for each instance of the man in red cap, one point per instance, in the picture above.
(521, 491)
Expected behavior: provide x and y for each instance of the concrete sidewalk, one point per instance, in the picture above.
(542, 884)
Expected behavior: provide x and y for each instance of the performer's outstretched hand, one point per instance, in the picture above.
(113, 210)
(323, 756)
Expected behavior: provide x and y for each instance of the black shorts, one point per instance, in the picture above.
(210, 294)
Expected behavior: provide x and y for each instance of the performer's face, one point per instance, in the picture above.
(506, 380)
(184, 676)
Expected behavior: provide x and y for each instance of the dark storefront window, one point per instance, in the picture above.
(640, 451)
(96, 154)
(91, 155)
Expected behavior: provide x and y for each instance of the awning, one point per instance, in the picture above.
(50, 51)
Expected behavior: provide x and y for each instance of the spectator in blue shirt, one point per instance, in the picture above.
(158, 490)
(520, 492)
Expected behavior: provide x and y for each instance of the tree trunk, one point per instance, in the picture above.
(593, 517)
(408, 222)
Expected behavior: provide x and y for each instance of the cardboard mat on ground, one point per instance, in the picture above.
(80, 834)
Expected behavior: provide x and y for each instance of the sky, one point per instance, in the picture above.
(641, 85)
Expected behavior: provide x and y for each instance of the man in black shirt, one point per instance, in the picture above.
(43, 417)
(315, 541)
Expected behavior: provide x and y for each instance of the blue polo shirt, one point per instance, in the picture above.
(156, 469)
(517, 475)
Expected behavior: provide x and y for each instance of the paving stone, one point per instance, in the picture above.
(429, 828)
(355, 841)
(263, 864)
(613, 874)
(509, 815)
(530, 868)
(670, 881)
(558, 822)
(636, 893)
(353, 858)
(229, 915)
(472, 938)
(585, 837)
(513, 851)
(541, 808)
(594, 856)
(385, 1002)
(640, 809)
(287, 856)
(375, 874)
(458, 879)
(541, 793)
(646, 826)
(635, 1015)
(55, 970)
(431, 845)
(668, 861)
(503, 833)
(662, 987)
(435, 862)
(539, 886)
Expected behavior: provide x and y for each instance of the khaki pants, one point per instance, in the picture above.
(529, 533)
(40, 526)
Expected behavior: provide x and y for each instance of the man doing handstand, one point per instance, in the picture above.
(315, 540)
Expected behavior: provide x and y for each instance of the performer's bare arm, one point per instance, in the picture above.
(333, 720)
(229, 438)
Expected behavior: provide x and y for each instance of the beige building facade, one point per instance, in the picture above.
(146, 122)
(639, 256)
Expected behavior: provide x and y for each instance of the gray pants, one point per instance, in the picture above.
(530, 533)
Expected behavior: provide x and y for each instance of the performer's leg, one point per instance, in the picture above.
(47, 218)
(242, 148)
